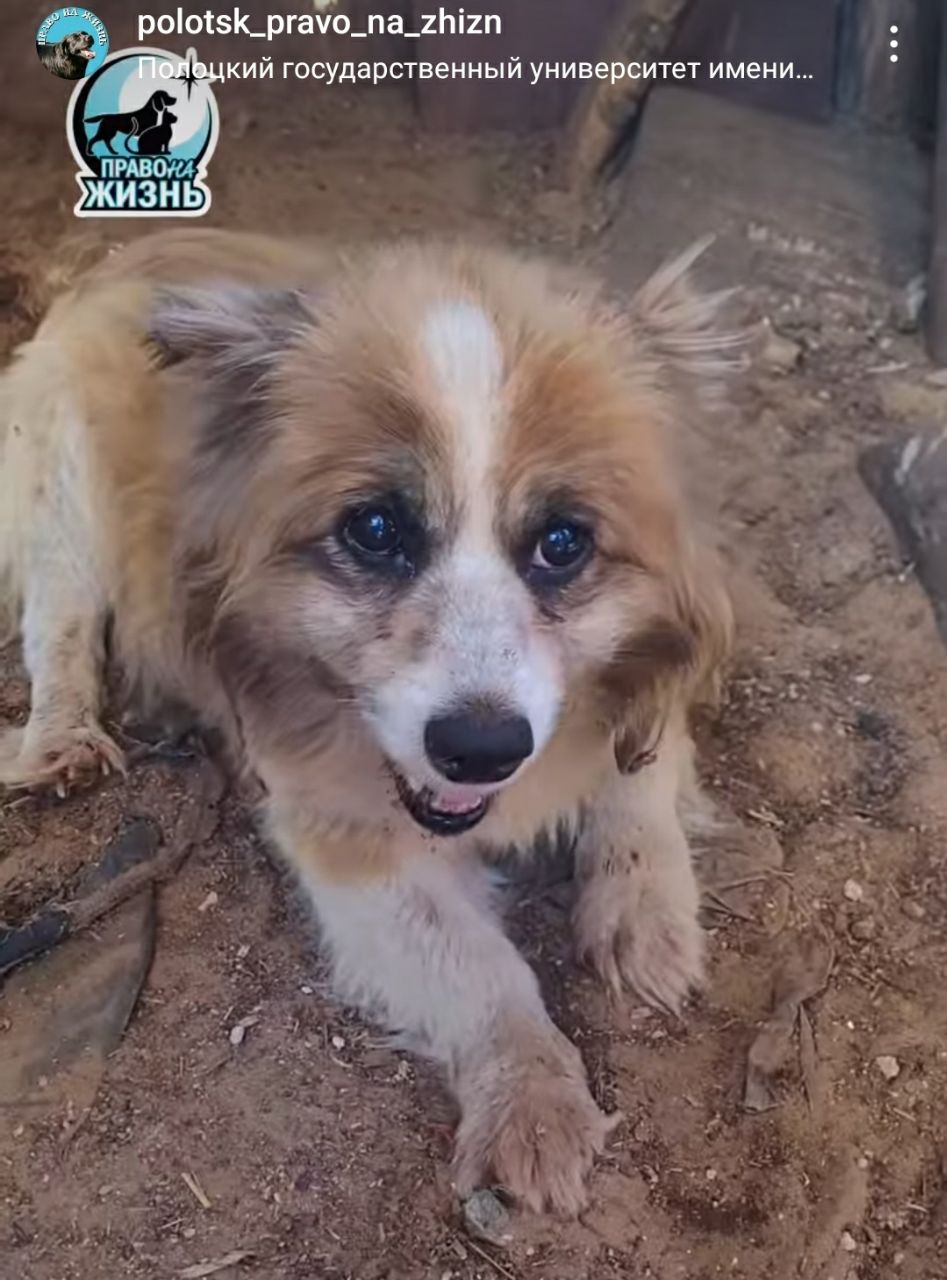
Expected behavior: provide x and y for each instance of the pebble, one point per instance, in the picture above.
(848, 1242)
(338, 1042)
(486, 1218)
(239, 1030)
(780, 354)
(889, 1066)
(913, 910)
(864, 929)
(853, 891)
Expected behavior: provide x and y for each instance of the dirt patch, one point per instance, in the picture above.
(321, 1152)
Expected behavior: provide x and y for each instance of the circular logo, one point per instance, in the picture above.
(72, 43)
(142, 129)
(143, 104)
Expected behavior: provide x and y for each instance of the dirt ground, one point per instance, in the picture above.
(319, 1153)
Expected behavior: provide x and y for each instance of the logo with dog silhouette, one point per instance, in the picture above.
(143, 129)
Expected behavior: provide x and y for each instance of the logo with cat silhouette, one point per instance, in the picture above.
(143, 129)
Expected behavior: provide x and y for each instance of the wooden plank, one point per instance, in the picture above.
(532, 30)
(937, 279)
(802, 32)
(641, 31)
(893, 95)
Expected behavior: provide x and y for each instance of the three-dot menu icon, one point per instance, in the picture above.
(894, 42)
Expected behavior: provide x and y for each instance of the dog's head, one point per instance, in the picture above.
(160, 100)
(78, 44)
(436, 500)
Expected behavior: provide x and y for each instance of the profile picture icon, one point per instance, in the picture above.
(72, 43)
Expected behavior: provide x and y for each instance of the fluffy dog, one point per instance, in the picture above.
(406, 530)
(68, 57)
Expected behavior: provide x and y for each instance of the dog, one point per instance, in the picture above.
(68, 57)
(131, 123)
(156, 141)
(404, 527)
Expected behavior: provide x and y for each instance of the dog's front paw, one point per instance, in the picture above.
(60, 758)
(530, 1124)
(646, 937)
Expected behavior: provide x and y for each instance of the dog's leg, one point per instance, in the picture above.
(422, 951)
(63, 640)
(636, 916)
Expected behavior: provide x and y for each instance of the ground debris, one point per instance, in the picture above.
(210, 1268)
(487, 1218)
(800, 975)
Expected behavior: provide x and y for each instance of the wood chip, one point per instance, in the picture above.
(196, 1189)
(210, 1268)
(809, 1060)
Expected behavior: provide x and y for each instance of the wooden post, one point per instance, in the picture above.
(937, 279)
(643, 30)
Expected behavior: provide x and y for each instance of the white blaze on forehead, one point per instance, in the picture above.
(463, 350)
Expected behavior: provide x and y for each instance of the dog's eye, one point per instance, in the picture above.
(561, 550)
(373, 531)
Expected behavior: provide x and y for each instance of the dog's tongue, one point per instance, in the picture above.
(452, 802)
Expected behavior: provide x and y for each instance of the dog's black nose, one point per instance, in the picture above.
(478, 744)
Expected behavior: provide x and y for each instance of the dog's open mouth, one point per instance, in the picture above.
(442, 814)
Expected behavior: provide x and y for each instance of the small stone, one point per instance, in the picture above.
(848, 1242)
(864, 678)
(338, 1042)
(306, 989)
(889, 1066)
(486, 1218)
(239, 1031)
(210, 901)
(780, 354)
(865, 929)
(913, 910)
(243, 951)
(853, 891)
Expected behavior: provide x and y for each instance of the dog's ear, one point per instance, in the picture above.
(225, 326)
(224, 344)
(675, 662)
(683, 330)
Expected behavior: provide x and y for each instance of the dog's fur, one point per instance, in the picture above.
(69, 57)
(132, 124)
(180, 455)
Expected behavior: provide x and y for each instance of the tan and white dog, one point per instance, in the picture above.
(405, 527)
